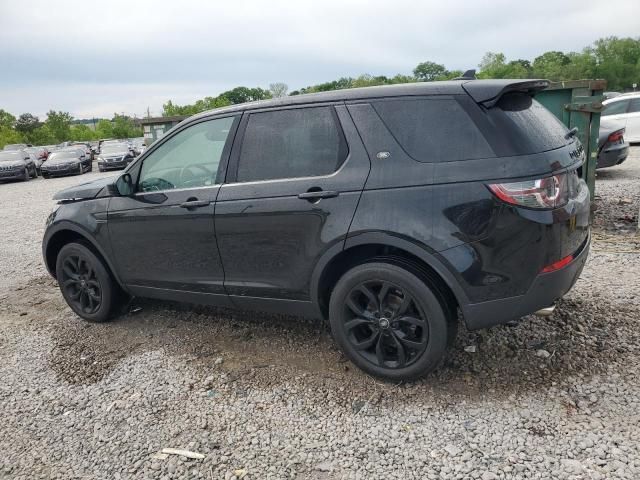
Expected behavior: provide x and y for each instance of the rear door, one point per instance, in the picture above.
(632, 133)
(162, 236)
(294, 180)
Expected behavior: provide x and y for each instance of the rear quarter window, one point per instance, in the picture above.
(434, 129)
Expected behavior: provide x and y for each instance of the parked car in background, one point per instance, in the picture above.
(608, 95)
(17, 165)
(85, 146)
(337, 205)
(114, 156)
(64, 162)
(16, 146)
(612, 147)
(138, 146)
(41, 154)
(625, 109)
(82, 153)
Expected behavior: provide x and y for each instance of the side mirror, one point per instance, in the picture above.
(124, 185)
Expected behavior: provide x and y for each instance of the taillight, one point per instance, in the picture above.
(547, 192)
(616, 136)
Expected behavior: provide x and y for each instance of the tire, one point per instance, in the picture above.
(402, 338)
(81, 169)
(35, 172)
(26, 176)
(100, 169)
(86, 284)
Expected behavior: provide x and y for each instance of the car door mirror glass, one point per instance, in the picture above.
(124, 185)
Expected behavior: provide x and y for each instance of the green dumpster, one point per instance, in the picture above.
(578, 104)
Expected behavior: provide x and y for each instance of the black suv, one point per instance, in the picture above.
(390, 211)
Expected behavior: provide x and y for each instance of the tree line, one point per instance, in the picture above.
(614, 59)
(60, 127)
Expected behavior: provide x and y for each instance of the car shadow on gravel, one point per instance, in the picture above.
(253, 350)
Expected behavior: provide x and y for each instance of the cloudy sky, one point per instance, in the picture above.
(125, 56)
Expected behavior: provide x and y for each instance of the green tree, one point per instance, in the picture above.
(9, 135)
(82, 132)
(41, 136)
(429, 71)
(27, 123)
(59, 123)
(617, 60)
(6, 119)
(244, 94)
(124, 127)
(104, 129)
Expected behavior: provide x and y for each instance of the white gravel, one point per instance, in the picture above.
(268, 397)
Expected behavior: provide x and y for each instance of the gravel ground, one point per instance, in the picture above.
(269, 397)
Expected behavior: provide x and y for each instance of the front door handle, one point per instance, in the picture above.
(318, 194)
(192, 203)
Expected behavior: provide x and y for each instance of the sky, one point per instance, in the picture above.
(94, 59)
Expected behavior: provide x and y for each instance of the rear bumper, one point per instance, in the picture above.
(612, 156)
(543, 292)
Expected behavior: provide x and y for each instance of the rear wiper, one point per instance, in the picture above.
(571, 133)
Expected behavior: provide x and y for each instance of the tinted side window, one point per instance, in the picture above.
(615, 108)
(303, 142)
(433, 130)
(634, 107)
(189, 159)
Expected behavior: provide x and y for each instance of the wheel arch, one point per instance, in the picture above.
(362, 247)
(67, 233)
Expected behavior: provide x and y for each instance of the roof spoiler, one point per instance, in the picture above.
(488, 93)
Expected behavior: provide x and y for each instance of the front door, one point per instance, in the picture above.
(294, 180)
(163, 235)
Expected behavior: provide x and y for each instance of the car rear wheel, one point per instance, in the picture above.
(388, 321)
(85, 283)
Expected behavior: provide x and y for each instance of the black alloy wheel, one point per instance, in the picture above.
(388, 321)
(80, 284)
(86, 284)
(384, 324)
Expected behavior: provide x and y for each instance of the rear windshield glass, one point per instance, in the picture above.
(433, 130)
(519, 125)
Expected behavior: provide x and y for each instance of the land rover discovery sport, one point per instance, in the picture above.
(390, 211)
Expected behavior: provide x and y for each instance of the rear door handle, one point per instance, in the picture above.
(192, 203)
(318, 194)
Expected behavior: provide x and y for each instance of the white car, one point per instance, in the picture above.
(625, 109)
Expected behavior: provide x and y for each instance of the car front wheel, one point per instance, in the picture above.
(85, 283)
(388, 321)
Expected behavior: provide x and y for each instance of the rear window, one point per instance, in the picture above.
(520, 125)
(433, 130)
(303, 142)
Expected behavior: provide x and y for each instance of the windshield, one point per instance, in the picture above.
(114, 149)
(10, 156)
(63, 156)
